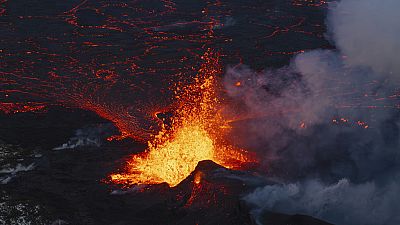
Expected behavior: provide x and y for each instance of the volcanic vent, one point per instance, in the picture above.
(196, 133)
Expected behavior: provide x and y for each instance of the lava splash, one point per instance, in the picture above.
(196, 133)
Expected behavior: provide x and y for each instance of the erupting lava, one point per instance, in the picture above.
(196, 134)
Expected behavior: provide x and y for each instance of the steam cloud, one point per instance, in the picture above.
(328, 124)
(367, 31)
(341, 203)
(88, 136)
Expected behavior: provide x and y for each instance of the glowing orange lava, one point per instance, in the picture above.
(196, 134)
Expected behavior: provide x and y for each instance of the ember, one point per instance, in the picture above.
(196, 134)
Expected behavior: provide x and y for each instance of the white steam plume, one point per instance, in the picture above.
(341, 203)
(368, 33)
(344, 174)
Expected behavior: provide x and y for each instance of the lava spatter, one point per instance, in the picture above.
(196, 134)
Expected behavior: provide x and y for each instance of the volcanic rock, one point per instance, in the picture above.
(215, 198)
(284, 219)
(67, 186)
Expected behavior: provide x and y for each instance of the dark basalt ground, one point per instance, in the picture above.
(67, 187)
(68, 53)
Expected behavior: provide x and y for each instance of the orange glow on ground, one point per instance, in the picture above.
(9, 107)
(196, 134)
(197, 177)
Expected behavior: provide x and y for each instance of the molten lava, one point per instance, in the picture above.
(196, 134)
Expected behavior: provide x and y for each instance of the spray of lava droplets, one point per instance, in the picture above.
(196, 134)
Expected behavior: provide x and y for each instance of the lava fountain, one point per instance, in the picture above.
(196, 133)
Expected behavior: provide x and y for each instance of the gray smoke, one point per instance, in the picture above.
(328, 124)
(93, 135)
(367, 32)
(340, 203)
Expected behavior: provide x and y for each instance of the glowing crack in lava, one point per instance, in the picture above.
(196, 133)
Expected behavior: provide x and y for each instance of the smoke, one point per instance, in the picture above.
(340, 203)
(367, 32)
(328, 124)
(11, 172)
(89, 136)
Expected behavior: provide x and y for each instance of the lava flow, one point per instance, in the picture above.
(195, 134)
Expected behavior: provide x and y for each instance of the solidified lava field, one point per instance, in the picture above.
(81, 81)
